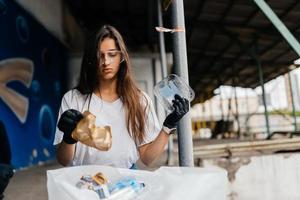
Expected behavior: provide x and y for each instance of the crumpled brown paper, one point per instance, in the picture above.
(87, 133)
(100, 178)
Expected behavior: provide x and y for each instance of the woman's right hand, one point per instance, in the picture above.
(67, 123)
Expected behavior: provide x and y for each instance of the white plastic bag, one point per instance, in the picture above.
(165, 183)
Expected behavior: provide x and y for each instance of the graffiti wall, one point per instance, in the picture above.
(31, 72)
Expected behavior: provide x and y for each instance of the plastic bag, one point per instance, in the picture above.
(165, 183)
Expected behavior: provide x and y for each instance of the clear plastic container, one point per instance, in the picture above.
(166, 89)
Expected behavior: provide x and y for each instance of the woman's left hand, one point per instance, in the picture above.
(181, 107)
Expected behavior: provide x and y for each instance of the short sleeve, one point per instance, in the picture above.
(152, 128)
(66, 103)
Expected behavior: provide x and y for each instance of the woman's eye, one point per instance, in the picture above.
(112, 54)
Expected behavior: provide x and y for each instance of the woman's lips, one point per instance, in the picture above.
(107, 70)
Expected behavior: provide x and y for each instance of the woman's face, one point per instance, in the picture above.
(110, 59)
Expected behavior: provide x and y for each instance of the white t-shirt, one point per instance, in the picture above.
(123, 152)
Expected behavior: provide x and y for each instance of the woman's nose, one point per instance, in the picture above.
(106, 60)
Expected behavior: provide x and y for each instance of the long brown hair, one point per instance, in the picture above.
(134, 102)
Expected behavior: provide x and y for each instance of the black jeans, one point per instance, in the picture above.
(6, 172)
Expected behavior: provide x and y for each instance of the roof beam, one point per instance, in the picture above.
(250, 17)
(204, 83)
(239, 28)
(269, 46)
(211, 35)
(194, 19)
(246, 49)
(279, 25)
(150, 23)
(243, 50)
(276, 57)
(234, 39)
(267, 74)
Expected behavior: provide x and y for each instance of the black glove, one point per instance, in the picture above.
(181, 107)
(67, 123)
(6, 172)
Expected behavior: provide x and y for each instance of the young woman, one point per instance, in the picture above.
(106, 88)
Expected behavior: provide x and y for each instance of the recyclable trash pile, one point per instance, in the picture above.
(126, 188)
(96, 182)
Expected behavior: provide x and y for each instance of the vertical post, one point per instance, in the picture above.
(221, 104)
(163, 60)
(247, 112)
(247, 101)
(185, 142)
(261, 80)
(236, 102)
(292, 99)
(237, 112)
(204, 114)
(162, 49)
(211, 114)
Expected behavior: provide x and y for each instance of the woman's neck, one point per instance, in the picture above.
(107, 90)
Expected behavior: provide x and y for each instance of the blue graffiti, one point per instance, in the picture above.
(46, 124)
(33, 87)
(22, 29)
(3, 7)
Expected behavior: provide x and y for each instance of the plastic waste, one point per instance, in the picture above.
(167, 183)
(166, 89)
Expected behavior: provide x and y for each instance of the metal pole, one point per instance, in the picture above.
(247, 101)
(247, 112)
(211, 115)
(221, 104)
(261, 80)
(162, 42)
(204, 114)
(236, 102)
(237, 113)
(163, 60)
(293, 103)
(185, 142)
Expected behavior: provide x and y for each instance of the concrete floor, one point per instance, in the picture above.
(31, 183)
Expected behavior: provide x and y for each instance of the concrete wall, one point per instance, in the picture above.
(268, 177)
(147, 72)
(48, 13)
(32, 63)
(55, 16)
(73, 70)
